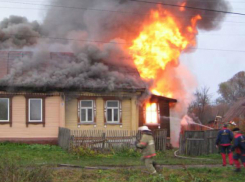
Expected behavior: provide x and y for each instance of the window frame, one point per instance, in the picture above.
(113, 109)
(86, 98)
(158, 115)
(29, 110)
(35, 122)
(106, 99)
(86, 108)
(8, 110)
(10, 98)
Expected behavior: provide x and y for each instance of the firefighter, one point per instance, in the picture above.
(148, 149)
(239, 148)
(224, 138)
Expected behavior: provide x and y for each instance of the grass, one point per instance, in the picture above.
(11, 170)
(20, 162)
(46, 154)
(167, 175)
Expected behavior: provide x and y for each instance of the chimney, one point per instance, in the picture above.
(7, 59)
(3, 63)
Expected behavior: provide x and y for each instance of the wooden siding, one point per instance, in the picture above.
(164, 116)
(129, 116)
(53, 119)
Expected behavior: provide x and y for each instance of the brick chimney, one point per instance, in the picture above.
(3, 63)
(7, 58)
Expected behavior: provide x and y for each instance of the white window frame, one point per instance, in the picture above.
(29, 111)
(8, 110)
(92, 107)
(118, 108)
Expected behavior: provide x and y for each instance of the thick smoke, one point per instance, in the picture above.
(118, 25)
(86, 70)
(17, 32)
(124, 18)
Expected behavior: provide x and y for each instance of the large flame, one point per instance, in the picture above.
(151, 113)
(160, 43)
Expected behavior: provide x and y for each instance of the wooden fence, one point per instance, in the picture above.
(64, 138)
(106, 139)
(197, 143)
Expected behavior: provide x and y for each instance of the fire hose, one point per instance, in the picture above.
(184, 157)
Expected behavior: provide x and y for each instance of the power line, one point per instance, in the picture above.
(182, 17)
(199, 1)
(112, 11)
(119, 43)
(68, 7)
(189, 7)
(173, 5)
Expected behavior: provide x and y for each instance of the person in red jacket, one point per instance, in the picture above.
(224, 138)
(239, 148)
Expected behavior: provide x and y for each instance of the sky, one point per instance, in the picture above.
(209, 67)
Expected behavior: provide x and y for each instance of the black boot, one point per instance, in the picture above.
(237, 170)
(154, 164)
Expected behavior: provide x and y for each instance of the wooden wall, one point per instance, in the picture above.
(130, 116)
(54, 118)
(164, 117)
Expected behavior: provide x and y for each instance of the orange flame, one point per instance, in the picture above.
(182, 8)
(151, 113)
(159, 44)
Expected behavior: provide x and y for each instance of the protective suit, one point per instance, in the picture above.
(147, 145)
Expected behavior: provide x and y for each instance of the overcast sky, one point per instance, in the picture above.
(210, 67)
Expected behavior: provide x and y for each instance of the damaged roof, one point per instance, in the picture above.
(64, 71)
(236, 110)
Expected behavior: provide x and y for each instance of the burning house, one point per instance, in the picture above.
(110, 66)
(33, 113)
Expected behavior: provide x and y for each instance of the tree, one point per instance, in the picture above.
(232, 89)
(201, 107)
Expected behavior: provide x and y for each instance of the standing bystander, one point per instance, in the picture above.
(239, 148)
(224, 138)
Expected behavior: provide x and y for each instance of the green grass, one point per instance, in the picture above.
(31, 155)
(167, 175)
(46, 154)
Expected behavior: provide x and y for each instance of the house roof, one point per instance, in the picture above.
(68, 74)
(235, 111)
(162, 98)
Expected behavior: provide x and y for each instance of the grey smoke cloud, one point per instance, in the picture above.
(90, 68)
(82, 71)
(109, 25)
(17, 32)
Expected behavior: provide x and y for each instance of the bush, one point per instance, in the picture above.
(84, 152)
(126, 152)
(122, 151)
(12, 171)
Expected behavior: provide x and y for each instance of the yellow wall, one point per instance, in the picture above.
(129, 116)
(54, 111)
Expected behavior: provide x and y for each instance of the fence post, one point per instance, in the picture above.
(103, 141)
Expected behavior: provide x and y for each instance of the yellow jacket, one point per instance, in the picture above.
(147, 145)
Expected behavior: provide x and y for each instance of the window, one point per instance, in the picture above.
(4, 110)
(112, 112)
(151, 113)
(86, 114)
(35, 110)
